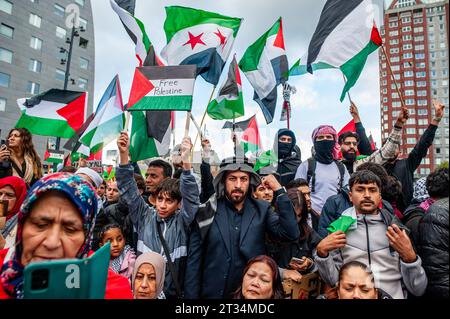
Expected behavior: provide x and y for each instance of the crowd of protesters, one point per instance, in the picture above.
(350, 219)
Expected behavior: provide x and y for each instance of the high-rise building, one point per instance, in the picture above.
(33, 36)
(415, 36)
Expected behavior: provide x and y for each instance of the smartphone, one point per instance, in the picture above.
(3, 208)
(296, 260)
(68, 278)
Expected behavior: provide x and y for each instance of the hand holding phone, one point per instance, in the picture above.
(300, 264)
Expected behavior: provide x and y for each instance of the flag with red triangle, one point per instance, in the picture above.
(162, 88)
(250, 139)
(265, 65)
(58, 113)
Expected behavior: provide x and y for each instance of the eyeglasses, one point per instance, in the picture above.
(351, 143)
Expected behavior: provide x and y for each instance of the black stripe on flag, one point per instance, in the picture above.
(128, 5)
(53, 95)
(238, 125)
(333, 13)
(169, 72)
(73, 142)
(157, 124)
(231, 87)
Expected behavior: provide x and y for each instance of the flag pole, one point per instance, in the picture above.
(393, 78)
(348, 91)
(204, 114)
(235, 138)
(288, 118)
(187, 124)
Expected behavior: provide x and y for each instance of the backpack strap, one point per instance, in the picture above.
(169, 261)
(311, 174)
(341, 168)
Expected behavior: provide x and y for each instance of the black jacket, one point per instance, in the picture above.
(403, 169)
(411, 219)
(335, 206)
(364, 146)
(283, 252)
(433, 249)
(209, 263)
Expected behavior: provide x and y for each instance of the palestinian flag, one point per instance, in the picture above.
(372, 142)
(108, 121)
(58, 113)
(250, 139)
(136, 30)
(350, 126)
(143, 147)
(54, 156)
(162, 88)
(199, 37)
(74, 142)
(266, 66)
(109, 173)
(344, 38)
(230, 103)
(238, 126)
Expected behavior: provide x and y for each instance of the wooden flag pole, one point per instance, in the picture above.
(288, 115)
(196, 125)
(187, 125)
(392, 75)
(204, 114)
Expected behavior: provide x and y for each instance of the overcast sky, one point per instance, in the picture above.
(317, 99)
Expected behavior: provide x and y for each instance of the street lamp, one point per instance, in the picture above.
(74, 33)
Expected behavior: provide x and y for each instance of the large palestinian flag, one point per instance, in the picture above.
(108, 121)
(58, 113)
(199, 37)
(162, 88)
(266, 66)
(230, 103)
(344, 38)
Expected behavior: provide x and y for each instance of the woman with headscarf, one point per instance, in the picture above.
(13, 191)
(325, 174)
(21, 156)
(55, 221)
(148, 276)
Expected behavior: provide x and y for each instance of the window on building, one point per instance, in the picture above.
(406, 37)
(419, 56)
(411, 130)
(432, 55)
(83, 42)
(420, 65)
(6, 30)
(396, 104)
(422, 112)
(82, 83)
(419, 47)
(408, 74)
(4, 80)
(6, 6)
(394, 59)
(35, 20)
(393, 33)
(60, 75)
(59, 10)
(408, 92)
(35, 66)
(443, 54)
(409, 83)
(61, 32)
(421, 83)
(418, 29)
(419, 38)
(406, 29)
(33, 88)
(36, 43)
(418, 20)
(421, 74)
(407, 46)
(2, 104)
(80, 2)
(6, 55)
(84, 63)
(83, 23)
(411, 140)
(409, 101)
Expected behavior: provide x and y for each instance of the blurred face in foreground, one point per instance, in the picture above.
(263, 193)
(257, 282)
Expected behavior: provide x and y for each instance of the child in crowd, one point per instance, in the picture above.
(122, 256)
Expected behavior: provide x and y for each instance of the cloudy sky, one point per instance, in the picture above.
(316, 101)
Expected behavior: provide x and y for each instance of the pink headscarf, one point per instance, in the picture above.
(328, 129)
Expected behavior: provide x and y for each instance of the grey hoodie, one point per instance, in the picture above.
(368, 243)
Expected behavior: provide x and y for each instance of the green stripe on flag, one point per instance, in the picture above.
(44, 126)
(178, 103)
(353, 67)
(145, 38)
(141, 146)
(179, 18)
(265, 159)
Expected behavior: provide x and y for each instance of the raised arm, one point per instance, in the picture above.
(284, 224)
(188, 186)
(207, 186)
(127, 185)
(364, 147)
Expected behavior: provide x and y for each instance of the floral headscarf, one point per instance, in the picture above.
(80, 193)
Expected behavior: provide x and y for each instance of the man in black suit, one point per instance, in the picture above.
(230, 229)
